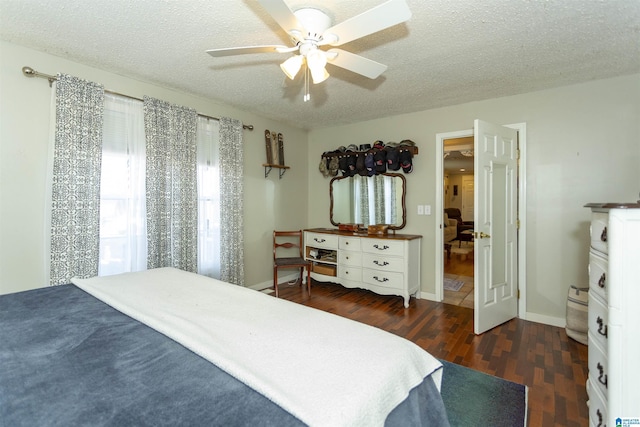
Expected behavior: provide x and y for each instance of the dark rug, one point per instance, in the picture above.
(473, 398)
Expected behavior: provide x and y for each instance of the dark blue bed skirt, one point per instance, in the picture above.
(67, 358)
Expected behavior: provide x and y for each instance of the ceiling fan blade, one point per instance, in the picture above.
(386, 15)
(356, 63)
(229, 51)
(281, 13)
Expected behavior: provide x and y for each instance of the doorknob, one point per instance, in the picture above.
(482, 235)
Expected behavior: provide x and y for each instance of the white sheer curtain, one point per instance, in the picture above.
(208, 136)
(123, 222)
(123, 218)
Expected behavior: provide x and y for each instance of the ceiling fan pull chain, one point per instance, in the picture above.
(307, 96)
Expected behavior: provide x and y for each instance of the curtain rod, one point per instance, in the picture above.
(30, 72)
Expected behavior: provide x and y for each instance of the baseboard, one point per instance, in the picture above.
(429, 296)
(560, 322)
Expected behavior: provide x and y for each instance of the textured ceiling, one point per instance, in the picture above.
(449, 52)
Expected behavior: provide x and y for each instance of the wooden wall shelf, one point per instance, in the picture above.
(281, 169)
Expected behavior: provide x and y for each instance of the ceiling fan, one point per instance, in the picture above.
(311, 30)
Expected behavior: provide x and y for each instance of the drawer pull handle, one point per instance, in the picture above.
(600, 418)
(602, 377)
(603, 236)
(602, 328)
(319, 240)
(381, 248)
(384, 279)
(602, 281)
(382, 264)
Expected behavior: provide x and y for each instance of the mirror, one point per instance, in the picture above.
(368, 200)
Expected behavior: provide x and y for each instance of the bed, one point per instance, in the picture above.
(167, 347)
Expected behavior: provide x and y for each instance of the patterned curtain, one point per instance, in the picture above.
(75, 191)
(376, 199)
(385, 197)
(379, 201)
(231, 202)
(171, 182)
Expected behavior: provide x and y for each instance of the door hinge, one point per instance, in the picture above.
(518, 293)
(518, 223)
(518, 154)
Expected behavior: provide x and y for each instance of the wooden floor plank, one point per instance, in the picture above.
(542, 357)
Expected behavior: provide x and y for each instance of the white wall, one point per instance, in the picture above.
(24, 128)
(583, 146)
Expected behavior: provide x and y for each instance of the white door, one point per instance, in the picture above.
(495, 216)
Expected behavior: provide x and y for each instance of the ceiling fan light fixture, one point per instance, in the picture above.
(316, 61)
(291, 66)
(319, 75)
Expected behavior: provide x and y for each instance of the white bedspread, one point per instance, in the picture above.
(324, 369)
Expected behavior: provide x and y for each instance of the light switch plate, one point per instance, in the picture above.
(420, 210)
(427, 209)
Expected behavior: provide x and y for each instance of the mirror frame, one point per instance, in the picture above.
(404, 197)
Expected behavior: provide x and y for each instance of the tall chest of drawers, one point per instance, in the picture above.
(614, 313)
(387, 265)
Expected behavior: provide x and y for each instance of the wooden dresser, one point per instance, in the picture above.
(614, 313)
(385, 264)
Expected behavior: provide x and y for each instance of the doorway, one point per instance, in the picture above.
(458, 202)
(520, 241)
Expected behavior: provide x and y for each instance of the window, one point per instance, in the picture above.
(208, 198)
(123, 234)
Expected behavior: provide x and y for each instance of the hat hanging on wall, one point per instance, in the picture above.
(393, 158)
(380, 160)
(405, 161)
(322, 167)
(333, 166)
(360, 166)
(351, 163)
(369, 162)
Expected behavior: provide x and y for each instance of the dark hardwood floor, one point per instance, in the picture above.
(460, 267)
(542, 357)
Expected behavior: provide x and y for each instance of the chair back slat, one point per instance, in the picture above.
(288, 244)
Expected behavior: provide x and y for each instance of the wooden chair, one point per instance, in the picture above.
(288, 240)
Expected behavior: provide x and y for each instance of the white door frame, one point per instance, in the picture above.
(522, 204)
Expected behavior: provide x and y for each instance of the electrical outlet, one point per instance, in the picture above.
(420, 210)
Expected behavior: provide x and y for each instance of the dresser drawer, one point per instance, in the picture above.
(384, 263)
(599, 223)
(353, 274)
(598, 320)
(598, 366)
(350, 243)
(385, 279)
(383, 246)
(597, 407)
(598, 272)
(353, 259)
(321, 241)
